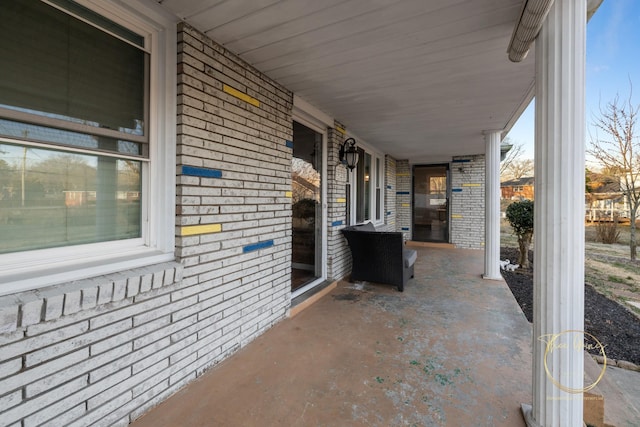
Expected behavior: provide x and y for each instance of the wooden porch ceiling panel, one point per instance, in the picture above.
(414, 78)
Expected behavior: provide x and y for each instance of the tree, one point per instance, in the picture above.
(513, 154)
(520, 217)
(513, 167)
(520, 169)
(618, 151)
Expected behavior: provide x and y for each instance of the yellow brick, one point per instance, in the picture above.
(235, 92)
(191, 230)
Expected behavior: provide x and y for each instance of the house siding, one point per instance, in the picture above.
(338, 254)
(97, 350)
(233, 206)
(390, 185)
(467, 201)
(404, 198)
(509, 192)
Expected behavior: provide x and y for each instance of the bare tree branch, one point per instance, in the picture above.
(513, 167)
(512, 155)
(617, 149)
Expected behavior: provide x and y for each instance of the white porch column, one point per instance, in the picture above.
(559, 218)
(492, 205)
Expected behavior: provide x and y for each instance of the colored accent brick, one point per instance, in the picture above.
(192, 230)
(336, 223)
(243, 96)
(257, 246)
(201, 172)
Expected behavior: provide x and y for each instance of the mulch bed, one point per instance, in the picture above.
(612, 324)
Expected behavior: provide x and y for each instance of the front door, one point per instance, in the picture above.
(430, 203)
(307, 221)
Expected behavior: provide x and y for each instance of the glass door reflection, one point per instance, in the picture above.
(306, 224)
(430, 204)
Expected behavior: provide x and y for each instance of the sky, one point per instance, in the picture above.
(613, 60)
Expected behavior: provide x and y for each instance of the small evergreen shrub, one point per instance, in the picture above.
(520, 217)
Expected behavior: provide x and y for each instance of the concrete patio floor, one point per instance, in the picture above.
(452, 350)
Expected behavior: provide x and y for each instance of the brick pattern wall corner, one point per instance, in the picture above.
(403, 198)
(390, 188)
(233, 186)
(467, 201)
(339, 256)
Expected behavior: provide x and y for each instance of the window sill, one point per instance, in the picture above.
(36, 277)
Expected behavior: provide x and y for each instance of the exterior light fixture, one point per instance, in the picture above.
(348, 154)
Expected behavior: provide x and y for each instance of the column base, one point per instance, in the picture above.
(527, 414)
(489, 277)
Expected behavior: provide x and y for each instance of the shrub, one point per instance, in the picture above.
(520, 217)
(607, 232)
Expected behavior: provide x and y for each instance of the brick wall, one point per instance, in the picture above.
(403, 198)
(233, 209)
(389, 213)
(338, 254)
(467, 202)
(98, 350)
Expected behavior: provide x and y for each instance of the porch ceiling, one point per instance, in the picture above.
(416, 79)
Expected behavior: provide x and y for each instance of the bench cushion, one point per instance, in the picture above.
(410, 256)
(363, 227)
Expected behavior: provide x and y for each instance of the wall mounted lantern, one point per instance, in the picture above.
(349, 153)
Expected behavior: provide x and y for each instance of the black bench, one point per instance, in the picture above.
(379, 256)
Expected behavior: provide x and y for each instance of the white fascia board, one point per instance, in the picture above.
(306, 110)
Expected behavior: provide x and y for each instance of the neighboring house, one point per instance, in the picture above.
(604, 198)
(517, 189)
(184, 118)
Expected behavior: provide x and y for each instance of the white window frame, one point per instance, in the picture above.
(353, 176)
(27, 270)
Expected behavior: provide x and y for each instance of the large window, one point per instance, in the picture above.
(74, 129)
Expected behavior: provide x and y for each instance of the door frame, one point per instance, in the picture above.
(447, 167)
(317, 126)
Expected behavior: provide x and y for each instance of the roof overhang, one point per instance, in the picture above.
(416, 79)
